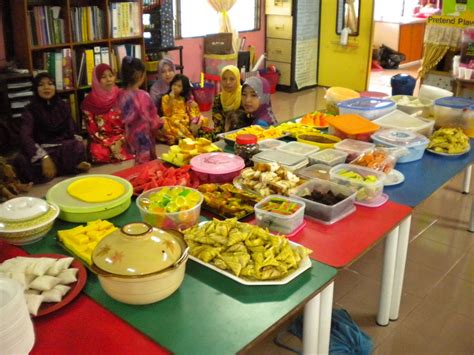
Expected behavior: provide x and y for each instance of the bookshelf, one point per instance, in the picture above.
(69, 37)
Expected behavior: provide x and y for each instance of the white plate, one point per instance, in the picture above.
(450, 155)
(305, 264)
(23, 208)
(394, 178)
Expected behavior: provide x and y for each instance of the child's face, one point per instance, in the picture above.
(177, 88)
(167, 73)
(250, 100)
(229, 81)
(46, 89)
(107, 80)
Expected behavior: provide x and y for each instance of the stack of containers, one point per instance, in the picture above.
(289, 161)
(367, 107)
(329, 157)
(351, 126)
(402, 138)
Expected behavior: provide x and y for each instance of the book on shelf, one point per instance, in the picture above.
(125, 19)
(58, 70)
(89, 65)
(88, 59)
(68, 77)
(97, 56)
(87, 23)
(122, 50)
(59, 65)
(46, 25)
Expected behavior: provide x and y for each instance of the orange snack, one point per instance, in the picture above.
(376, 159)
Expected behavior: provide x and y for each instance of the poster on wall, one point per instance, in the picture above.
(457, 7)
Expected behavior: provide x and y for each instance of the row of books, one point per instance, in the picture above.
(46, 25)
(59, 65)
(88, 23)
(125, 19)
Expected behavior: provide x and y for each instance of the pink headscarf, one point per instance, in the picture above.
(100, 101)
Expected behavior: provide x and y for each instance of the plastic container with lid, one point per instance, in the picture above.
(351, 126)
(401, 120)
(270, 144)
(448, 111)
(276, 222)
(327, 214)
(217, 167)
(298, 148)
(414, 142)
(335, 95)
(468, 118)
(316, 171)
(367, 107)
(354, 148)
(367, 182)
(413, 104)
(328, 156)
(246, 147)
(289, 161)
(321, 140)
(433, 92)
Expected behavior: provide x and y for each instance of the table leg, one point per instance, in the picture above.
(402, 248)
(386, 288)
(467, 180)
(471, 222)
(317, 322)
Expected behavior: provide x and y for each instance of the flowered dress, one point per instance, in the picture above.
(141, 123)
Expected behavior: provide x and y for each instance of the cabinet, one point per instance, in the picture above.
(69, 37)
(292, 31)
(15, 93)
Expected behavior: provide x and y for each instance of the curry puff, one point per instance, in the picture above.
(245, 250)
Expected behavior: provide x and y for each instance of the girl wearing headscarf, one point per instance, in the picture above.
(47, 136)
(103, 118)
(166, 73)
(256, 102)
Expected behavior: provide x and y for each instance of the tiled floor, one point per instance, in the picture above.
(437, 310)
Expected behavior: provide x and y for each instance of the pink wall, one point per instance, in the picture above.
(193, 48)
(2, 39)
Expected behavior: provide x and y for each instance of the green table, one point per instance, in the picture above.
(212, 314)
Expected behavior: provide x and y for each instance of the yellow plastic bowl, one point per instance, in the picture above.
(315, 139)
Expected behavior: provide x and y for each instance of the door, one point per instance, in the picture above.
(347, 66)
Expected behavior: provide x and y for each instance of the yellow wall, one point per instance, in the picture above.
(345, 66)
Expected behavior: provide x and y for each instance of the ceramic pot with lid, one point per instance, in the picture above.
(139, 264)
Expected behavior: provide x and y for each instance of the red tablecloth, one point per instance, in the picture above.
(84, 327)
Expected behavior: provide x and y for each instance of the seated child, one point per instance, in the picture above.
(256, 102)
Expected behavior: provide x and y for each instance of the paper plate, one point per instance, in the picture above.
(394, 178)
(22, 209)
(448, 154)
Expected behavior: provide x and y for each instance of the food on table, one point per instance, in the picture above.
(260, 132)
(377, 159)
(96, 189)
(247, 251)
(367, 182)
(171, 199)
(326, 139)
(268, 178)
(408, 101)
(157, 174)
(188, 148)
(227, 200)
(43, 279)
(357, 177)
(327, 198)
(82, 240)
(294, 128)
(449, 140)
(315, 118)
(280, 206)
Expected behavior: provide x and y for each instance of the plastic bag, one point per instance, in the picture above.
(380, 159)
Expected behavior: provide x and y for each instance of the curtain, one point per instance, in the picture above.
(223, 7)
(351, 16)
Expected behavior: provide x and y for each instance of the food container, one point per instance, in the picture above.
(328, 156)
(368, 189)
(217, 167)
(354, 148)
(468, 118)
(169, 220)
(335, 95)
(325, 213)
(323, 141)
(401, 120)
(379, 159)
(79, 211)
(299, 148)
(316, 171)
(29, 231)
(150, 267)
(414, 142)
(433, 92)
(351, 126)
(412, 104)
(369, 108)
(448, 112)
(270, 143)
(289, 161)
(276, 222)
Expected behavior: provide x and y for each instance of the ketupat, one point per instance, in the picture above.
(449, 140)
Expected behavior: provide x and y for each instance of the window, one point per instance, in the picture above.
(195, 18)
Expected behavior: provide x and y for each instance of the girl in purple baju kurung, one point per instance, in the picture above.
(49, 145)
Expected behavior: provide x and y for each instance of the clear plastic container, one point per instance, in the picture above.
(351, 126)
(448, 111)
(468, 118)
(402, 120)
(217, 167)
(414, 142)
(328, 156)
(276, 222)
(320, 140)
(298, 148)
(354, 148)
(367, 107)
(412, 104)
(368, 189)
(289, 161)
(316, 171)
(270, 143)
(327, 214)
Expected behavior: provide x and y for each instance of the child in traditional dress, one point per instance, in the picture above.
(256, 102)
